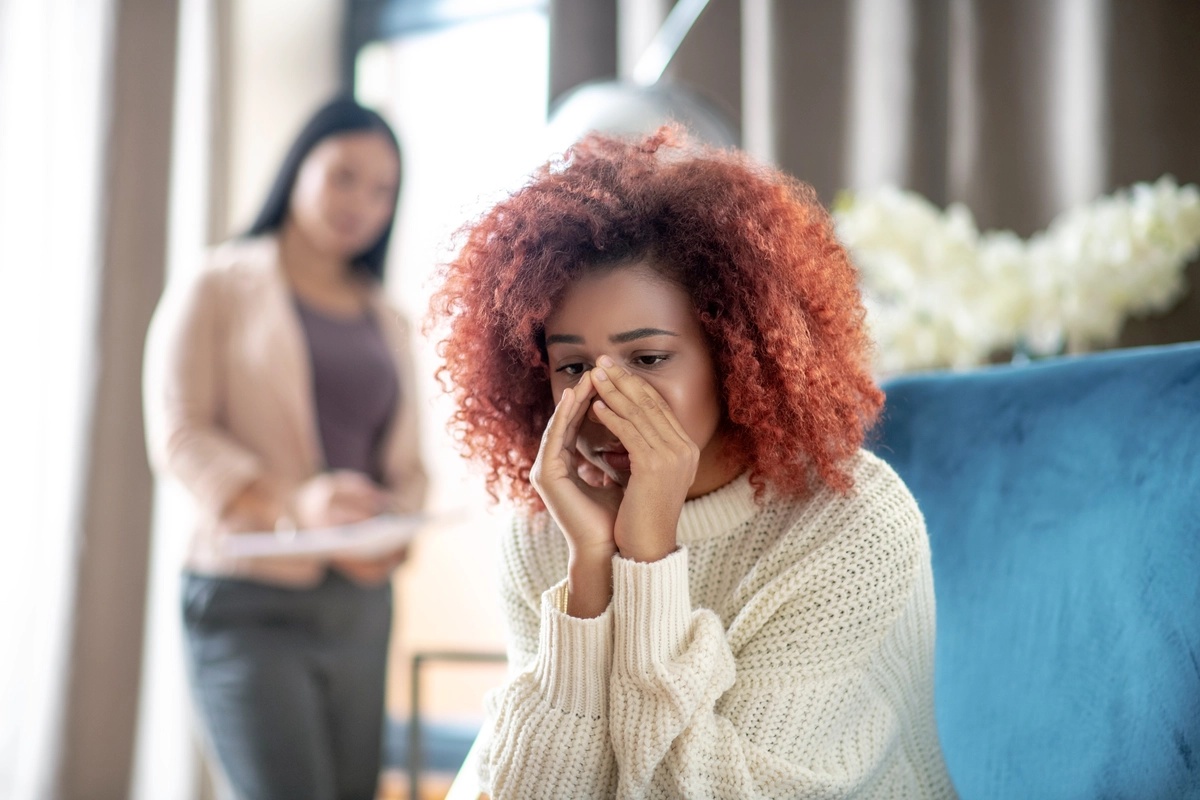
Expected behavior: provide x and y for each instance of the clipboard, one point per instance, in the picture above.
(372, 537)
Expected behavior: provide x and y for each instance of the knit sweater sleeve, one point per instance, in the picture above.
(546, 734)
(812, 688)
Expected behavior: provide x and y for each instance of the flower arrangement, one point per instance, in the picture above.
(939, 293)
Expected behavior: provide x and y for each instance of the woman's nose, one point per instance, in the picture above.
(591, 412)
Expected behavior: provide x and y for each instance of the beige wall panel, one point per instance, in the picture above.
(280, 62)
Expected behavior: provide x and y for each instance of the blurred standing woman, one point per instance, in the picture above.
(279, 392)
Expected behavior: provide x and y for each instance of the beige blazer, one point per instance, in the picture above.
(228, 399)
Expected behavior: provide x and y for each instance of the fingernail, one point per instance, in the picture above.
(600, 374)
(605, 361)
(600, 404)
(566, 392)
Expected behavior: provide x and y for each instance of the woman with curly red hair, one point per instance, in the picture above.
(712, 591)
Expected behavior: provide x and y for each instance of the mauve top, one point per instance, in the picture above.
(355, 387)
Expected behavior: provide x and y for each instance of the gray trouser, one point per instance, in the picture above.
(290, 683)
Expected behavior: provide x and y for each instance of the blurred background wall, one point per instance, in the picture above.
(135, 132)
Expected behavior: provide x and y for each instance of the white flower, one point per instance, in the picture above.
(1118, 257)
(940, 294)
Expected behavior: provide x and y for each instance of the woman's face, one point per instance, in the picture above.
(646, 324)
(344, 195)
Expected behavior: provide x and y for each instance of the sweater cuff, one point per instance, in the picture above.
(574, 658)
(652, 604)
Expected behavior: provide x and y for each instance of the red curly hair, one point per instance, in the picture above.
(773, 289)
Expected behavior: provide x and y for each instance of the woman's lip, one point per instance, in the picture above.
(618, 460)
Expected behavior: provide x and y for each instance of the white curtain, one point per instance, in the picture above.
(53, 88)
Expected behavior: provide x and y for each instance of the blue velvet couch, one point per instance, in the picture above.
(1063, 505)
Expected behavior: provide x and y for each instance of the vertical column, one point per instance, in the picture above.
(881, 85)
(583, 43)
(927, 161)
(1152, 83)
(637, 23)
(168, 762)
(1151, 86)
(106, 640)
(759, 67)
(710, 58)
(962, 90)
(809, 91)
(220, 156)
(1078, 102)
(1005, 163)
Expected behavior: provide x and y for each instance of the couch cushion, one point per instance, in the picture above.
(1063, 505)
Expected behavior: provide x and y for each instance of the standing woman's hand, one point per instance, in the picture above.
(371, 571)
(662, 461)
(257, 507)
(341, 497)
(586, 513)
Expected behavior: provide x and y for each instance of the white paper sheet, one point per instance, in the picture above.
(372, 537)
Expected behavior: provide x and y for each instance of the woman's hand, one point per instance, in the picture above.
(370, 571)
(582, 505)
(335, 498)
(257, 507)
(344, 497)
(662, 460)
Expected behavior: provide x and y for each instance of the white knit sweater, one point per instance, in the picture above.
(784, 650)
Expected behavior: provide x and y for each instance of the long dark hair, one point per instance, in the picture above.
(338, 116)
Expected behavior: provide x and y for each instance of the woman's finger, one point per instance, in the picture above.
(633, 399)
(666, 410)
(626, 431)
(356, 484)
(558, 442)
(553, 437)
(590, 474)
(582, 393)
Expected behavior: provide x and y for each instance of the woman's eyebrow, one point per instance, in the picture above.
(616, 338)
(639, 333)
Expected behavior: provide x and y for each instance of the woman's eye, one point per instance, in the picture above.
(574, 370)
(650, 360)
